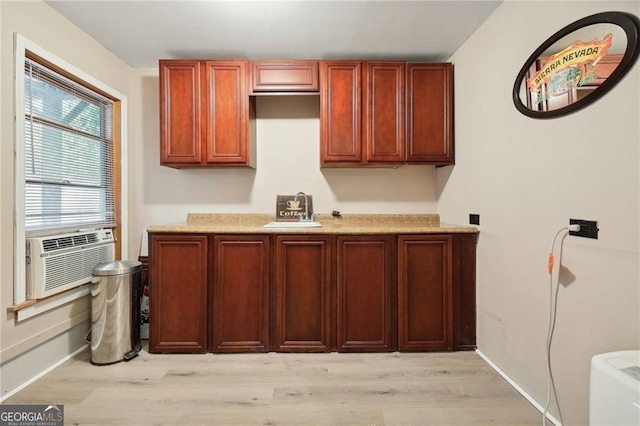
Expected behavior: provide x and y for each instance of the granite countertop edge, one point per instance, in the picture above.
(220, 223)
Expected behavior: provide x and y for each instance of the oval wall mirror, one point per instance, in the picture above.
(577, 65)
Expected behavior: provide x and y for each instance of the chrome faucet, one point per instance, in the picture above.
(306, 207)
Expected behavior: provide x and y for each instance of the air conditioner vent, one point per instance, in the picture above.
(61, 242)
(75, 266)
(85, 239)
(61, 262)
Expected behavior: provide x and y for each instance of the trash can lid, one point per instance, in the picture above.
(118, 267)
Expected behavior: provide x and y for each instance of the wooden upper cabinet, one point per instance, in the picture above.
(284, 77)
(371, 113)
(361, 113)
(180, 113)
(228, 114)
(383, 128)
(429, 113)
(407, 113)
(206, 116)
(340, 112)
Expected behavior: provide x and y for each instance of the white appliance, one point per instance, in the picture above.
(614, 391)
(60, 262)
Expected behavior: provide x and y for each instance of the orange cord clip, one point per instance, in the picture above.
(550, 263)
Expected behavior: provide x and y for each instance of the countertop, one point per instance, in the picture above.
(226, 223)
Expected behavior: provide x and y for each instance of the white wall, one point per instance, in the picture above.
(288, 158)
(526, 178)
(45, 27)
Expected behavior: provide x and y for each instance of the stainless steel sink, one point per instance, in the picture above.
(302, 224)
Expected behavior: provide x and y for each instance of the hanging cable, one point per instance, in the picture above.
(553, 308)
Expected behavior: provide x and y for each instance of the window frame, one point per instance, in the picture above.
(66, 191)
(24, 48)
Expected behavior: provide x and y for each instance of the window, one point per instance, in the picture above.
(68, 153)
(70, 161)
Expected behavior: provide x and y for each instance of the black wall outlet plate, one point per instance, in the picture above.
(588, 228)
(474, 219)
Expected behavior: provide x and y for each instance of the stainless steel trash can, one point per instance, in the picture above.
(115, 312)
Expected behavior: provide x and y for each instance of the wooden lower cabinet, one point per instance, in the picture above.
(463, 291)
(178, 293)
(302, 309)
(424, 293)
(312, 293)
(240, 296)
(365, 272)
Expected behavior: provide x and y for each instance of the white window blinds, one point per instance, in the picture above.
(69, 174)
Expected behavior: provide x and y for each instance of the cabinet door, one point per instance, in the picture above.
(284, 77)
(302, 294)
(429, 113)
(178, 293)
(180, 113)
(240, 297)
(340, 112)
(365, 288)
(227, 114)
(383, 128)
(424, 293)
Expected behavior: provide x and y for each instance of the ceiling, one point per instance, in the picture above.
(142, 32)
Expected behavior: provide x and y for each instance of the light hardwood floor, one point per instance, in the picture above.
(283, 389)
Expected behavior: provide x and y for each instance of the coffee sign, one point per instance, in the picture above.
(292, 208)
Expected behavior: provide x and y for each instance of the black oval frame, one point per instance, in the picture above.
(631, 26)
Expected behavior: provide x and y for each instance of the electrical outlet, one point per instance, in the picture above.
(474, 219)
(588, 228)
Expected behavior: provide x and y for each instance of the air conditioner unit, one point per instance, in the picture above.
(60, 262)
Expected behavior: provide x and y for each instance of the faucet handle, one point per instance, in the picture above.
(307, 218)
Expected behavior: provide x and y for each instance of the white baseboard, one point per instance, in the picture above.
(19, 372)
(521, 391)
